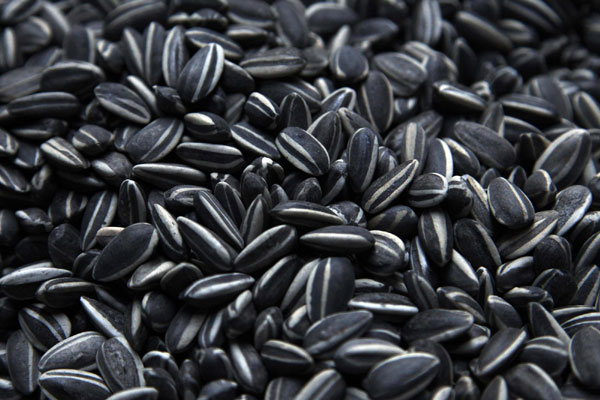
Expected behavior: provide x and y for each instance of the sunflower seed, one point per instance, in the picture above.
(338, 239)
(85, 344)
(22, 359)
(201, 73)
(438, 325)
(509, 205)
(216, 290)
(571, 151)
(123, 102)
(119, 365)
(70, 384)
(140, 239)
(325, 335)
(416, 369)
(530, 374)
(387, 188)
(329, 287)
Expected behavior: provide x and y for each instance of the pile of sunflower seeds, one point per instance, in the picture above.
(346, 200)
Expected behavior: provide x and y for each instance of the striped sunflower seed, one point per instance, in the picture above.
(303, 151)
(123, 102)
(119, 364)
(438, 325)
(137, 242)
(570, 151)
(388, 187)
(416, 369)
(329, 287)
(201, 73)
(216, 290)
(22, 359)
(71, 384)
(339, 239)
(509, 205)
(362, 158)
(492, 149)
(59, 356)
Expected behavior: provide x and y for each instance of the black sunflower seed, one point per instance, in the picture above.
(72, 384)
(119, 364)
(565, 158)
(303, 151)
(438, 325)
(509, 205)
(216, 290)
(492, 149)
(123, 102)
(387, 188)
(416, 369)
(201, 73)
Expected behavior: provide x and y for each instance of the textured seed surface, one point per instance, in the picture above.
(293, 199)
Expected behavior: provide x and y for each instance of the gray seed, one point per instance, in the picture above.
(428, 190)
(404, 72)
(386, 257)
(391, 306)
(375, 101)
(42, 328)
(285, 358)
(174, 55)
(248, 368)
(202, 37)
(213, 157)
(348, 64)
(48, 104)
(254, 141)
(547, 352)
(357, 356)
(22, 283)
(283, 388)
